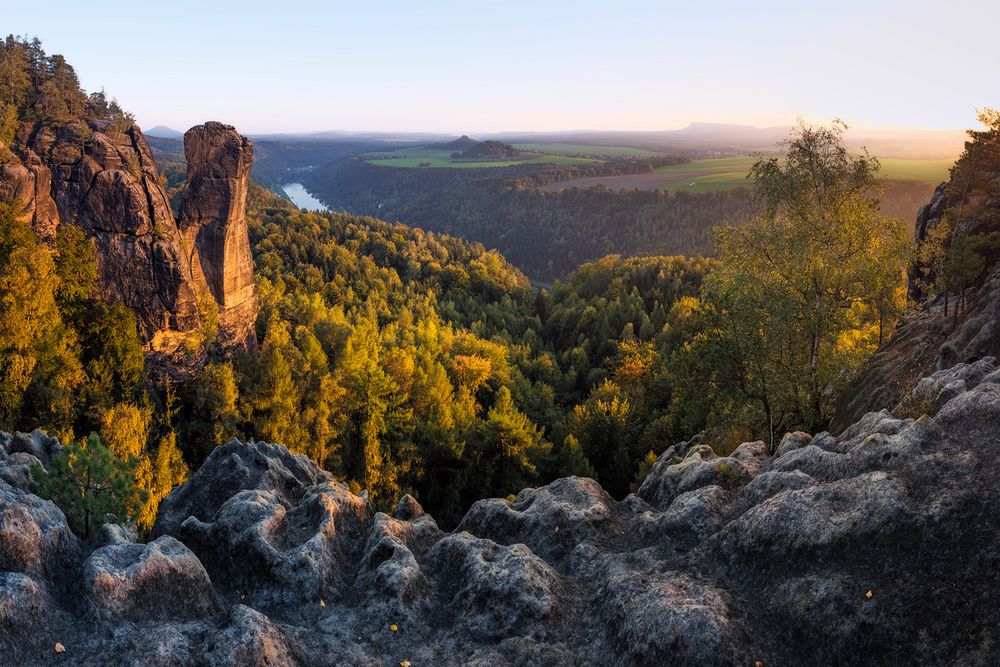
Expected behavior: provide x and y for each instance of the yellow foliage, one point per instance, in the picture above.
(124, 429)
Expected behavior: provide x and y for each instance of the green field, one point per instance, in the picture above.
(727, 173)
(441, 157)
(583, 149)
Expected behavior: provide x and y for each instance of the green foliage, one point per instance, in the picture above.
(38, 357)
(76, 266)
(728, 476)
(213, 419)
(804, 291)
(644, 467)
(90, 485)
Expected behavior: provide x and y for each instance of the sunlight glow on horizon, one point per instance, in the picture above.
(480, 68)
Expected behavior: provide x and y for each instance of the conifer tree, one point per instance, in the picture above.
(90, 485)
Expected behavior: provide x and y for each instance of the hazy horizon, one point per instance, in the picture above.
(526, 67)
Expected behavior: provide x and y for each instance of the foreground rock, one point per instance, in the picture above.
(877, 546)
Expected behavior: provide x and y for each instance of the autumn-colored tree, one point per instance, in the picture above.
(125, 429)
(157, 475)
(604, 428)
(572, 460)
(37, 351)
(816, 262)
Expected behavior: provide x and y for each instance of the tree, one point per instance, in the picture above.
(90, 485)
(572, 460)
(511, 446)
(820, 258)
(157, 476)
(603, 427)
(76, 265)
(125, 429)
(37, 351)
(214, 413)
(275, 397)
(113, 358)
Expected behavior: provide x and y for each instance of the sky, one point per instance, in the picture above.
(542, 65)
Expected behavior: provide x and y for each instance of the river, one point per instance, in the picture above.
(301, 197)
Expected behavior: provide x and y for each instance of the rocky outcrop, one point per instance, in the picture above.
(875, 546)
(103, 179)
(928, 339)
(213, 221)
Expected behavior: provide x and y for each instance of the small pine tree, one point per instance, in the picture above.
(90, 485)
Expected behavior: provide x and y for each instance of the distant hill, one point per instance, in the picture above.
(164, 132)
(488, 150)
(463, 143)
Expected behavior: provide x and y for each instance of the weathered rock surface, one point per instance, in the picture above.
(213, 221)
(876, 546)
(159, 581)
(930, 339)
(105, 181)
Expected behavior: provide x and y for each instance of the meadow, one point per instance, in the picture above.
(441, 157)
(584, 149)
(715, 175)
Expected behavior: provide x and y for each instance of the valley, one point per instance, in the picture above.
(705, 381)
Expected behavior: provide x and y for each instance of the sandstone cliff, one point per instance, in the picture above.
(103, 179)
(213, 221)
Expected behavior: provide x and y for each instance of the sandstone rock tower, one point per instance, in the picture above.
(213, 222)
(105, 180)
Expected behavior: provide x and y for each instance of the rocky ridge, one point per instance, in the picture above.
(877, 546)
(104, 179)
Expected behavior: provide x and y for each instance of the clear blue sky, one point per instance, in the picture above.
(537, 65)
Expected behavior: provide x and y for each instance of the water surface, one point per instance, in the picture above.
(301, 197)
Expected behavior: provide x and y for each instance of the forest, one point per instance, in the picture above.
(405, 360)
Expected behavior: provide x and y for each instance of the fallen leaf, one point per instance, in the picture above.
(404, 663)
(393, 627)
(868, 595)
(321, 603)
(60, 648)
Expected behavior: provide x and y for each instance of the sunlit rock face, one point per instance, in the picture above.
(105, 181)
(213, 221)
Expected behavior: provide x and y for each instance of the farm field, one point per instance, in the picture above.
(584, 149)
(728, 173)
(441, 157)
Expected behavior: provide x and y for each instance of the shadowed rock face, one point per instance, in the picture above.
(870, 547)
(106, 182)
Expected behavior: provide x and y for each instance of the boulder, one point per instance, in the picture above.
(159, 581)
(491, 591)
(236, 467)
(34, 537)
